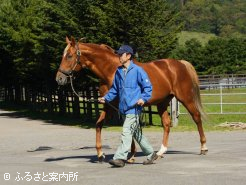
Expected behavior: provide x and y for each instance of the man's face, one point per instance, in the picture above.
(125, 57)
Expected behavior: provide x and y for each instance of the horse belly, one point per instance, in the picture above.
(161, 77)
(161, 90)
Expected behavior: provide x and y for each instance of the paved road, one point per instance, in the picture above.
(38, 152)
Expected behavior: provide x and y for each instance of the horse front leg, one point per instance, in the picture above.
(133, 152)
(166, 122)
(99, 124)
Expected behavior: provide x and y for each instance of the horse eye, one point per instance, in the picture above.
(69, 57)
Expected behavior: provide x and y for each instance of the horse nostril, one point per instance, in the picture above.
(59, 80)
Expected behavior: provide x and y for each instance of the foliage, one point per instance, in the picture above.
(31, 36)
(218, 56)
(224, 18)
(32, 33)
(150, 27)
(225, 56)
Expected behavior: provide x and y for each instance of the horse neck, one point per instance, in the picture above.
(101, 62)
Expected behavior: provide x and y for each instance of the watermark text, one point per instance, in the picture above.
(42, 176)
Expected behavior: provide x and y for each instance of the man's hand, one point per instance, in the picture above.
(101, 100)
(140, 102)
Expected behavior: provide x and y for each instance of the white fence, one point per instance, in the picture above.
(216, 100)
(219, 96)
(223, 92)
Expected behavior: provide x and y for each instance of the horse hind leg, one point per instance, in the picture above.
(196, 116)
(198, 120)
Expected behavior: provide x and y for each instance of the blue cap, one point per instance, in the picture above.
(124, 49)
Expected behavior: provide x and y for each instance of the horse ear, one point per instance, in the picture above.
(73, 42)
(67, 40)
(83, 39)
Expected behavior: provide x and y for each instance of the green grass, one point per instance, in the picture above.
(187, 124)
(202, 37)
(213, 120)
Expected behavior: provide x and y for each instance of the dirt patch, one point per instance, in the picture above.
(234, 125)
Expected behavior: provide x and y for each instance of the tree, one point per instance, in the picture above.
(218, 56)
(149, 26)
(225, 56)
(192, 51)
(224, 18)
(182, 2)
(34, 42)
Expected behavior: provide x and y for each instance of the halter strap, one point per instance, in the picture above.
(70, 72)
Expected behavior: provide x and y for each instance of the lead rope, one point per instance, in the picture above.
(102, 157)
(90, 100)
(142, 117)
(142, 114)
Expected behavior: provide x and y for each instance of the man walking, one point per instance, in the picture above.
(133, 88)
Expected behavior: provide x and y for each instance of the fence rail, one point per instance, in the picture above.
(219, 94)
(215, 80)
(63, 101)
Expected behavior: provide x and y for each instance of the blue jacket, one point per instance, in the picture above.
(130, 88)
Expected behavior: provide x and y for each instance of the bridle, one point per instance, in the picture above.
(71, 72)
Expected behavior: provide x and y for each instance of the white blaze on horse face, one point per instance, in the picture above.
(65, 50)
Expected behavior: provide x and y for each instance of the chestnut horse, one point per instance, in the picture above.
(169, 78)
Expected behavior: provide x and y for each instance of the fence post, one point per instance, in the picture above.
(88, 104)
(174, 112)
(95, 95)
(61, 102)
(150, 115)
(76, 109)
(221, 100)
(49, 99)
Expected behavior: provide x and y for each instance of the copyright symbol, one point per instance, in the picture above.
(6, 176)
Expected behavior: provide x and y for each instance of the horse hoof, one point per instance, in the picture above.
(160, 156)
(101, 158)
(131, 160)
(204, 152)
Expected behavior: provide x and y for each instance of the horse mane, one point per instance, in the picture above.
(100, 48)
(107, 47)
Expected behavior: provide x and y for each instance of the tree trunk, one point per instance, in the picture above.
(182, 3)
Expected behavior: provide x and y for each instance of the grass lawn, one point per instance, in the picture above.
(202, 37)
(186, 123)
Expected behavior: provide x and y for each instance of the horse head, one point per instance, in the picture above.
(71, 62)
(79, 55)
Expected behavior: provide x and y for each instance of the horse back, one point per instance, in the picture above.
(169, 77)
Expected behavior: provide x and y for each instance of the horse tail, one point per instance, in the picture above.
(196, 89)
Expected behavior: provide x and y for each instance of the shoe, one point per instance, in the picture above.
(117, 162)
(151, 160)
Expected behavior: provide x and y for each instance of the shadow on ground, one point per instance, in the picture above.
(20, 111)
(94, 158)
